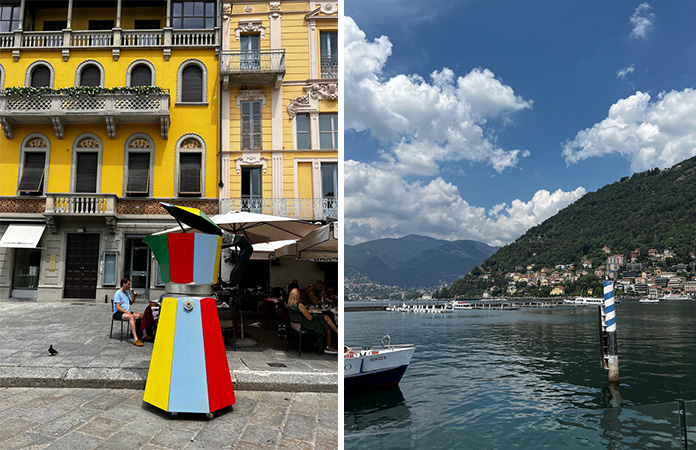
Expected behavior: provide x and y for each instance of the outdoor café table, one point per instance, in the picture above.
(320, 312)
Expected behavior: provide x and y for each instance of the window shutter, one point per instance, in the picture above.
(256, 125)
(141, 76)
(138, 173)
(32, 177)
(192, 84)
(41, 77)
(86, 180)
(190, 173)
(246, 125)
(91, 76)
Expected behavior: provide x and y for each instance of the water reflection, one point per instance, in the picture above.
(377, 410)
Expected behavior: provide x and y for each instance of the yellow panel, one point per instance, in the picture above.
(160, 373)
(304, 176)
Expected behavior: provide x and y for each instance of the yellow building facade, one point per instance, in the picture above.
(107, 108)
(280, 99)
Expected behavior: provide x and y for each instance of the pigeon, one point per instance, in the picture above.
(52, 351)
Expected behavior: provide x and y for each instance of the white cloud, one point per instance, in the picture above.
(649, 134)
(642, 21)
(445, 116)
(435, 208)
(425, 125)
(625, 71)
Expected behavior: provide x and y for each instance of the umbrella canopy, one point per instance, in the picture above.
(321, 243)
(192, 217)
(260, 227)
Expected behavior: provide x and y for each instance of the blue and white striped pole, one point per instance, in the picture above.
(610, 321)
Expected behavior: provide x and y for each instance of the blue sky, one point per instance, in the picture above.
(478, 119)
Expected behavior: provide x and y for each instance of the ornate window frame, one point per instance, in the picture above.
(309, 104)
(137, 62)
(73, 159)
(126, 154)
(316, 174)
(34, 65)
(179, 82)
(202, 150)
(250, 26)
(24, 150)
(83, 65)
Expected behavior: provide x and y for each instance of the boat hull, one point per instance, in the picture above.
(374, 380)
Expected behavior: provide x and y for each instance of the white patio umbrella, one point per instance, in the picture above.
(321, 243)
(259, 227)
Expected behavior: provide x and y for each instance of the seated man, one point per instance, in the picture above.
(122, 302)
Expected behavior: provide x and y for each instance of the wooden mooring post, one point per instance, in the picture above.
(608, 345)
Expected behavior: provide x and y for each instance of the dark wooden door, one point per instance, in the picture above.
(81, 266)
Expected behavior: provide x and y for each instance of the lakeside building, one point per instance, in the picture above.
(280, 104)
(115, 109)
(110, 107)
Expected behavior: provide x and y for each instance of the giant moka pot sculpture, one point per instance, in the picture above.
(188, 369)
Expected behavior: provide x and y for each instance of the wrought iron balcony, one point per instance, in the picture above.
(297, 208)
(113, 40)
(106, 107)
(329, 66)
(253, 67)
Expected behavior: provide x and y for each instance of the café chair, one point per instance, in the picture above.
(128, 333)
(296, 328)
(227, 319)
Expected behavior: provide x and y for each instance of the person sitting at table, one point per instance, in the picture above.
(122, 303)
(311, 295)
(329, 296)
(322, 325)
(148, 322)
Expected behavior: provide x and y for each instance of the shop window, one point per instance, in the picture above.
(26, 268)
(110, 264)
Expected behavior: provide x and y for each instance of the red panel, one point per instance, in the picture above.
(220, 391)
(181, 257)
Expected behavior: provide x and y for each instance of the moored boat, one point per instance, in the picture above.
(649, 300)
(460, 304)
(584, 301)
(372, 368)
(675, 297)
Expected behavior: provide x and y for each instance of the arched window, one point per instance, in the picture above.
(141, 76)
(90, 76)
(89, 73)
(140, 72)
(41, 76)
(33, 167)
(138, 165)
(86, 164)
(192, 81)
(190, 170)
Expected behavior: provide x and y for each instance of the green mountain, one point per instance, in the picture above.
(413, 261)
(655, 209)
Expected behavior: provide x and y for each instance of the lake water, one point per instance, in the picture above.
(529, 378)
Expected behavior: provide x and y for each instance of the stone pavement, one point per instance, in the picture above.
(88, 358)
(80, 418)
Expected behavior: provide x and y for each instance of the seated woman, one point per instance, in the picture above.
(322, 325)
(312, 293)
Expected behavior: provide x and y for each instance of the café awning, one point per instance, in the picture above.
(22, 236)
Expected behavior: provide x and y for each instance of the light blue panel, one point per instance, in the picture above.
(189, 384)
(204, 253)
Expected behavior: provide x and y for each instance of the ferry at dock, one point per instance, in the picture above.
(584, 301)
(676, 297)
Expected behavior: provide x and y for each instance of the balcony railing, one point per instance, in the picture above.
(81, 204)
(245, 67)
(297, 208)
(63, 108)
(68, 39)
(329, 66)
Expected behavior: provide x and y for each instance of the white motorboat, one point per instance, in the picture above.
(649, 300)
(370, 368)
(460, 304)
(584, 301)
